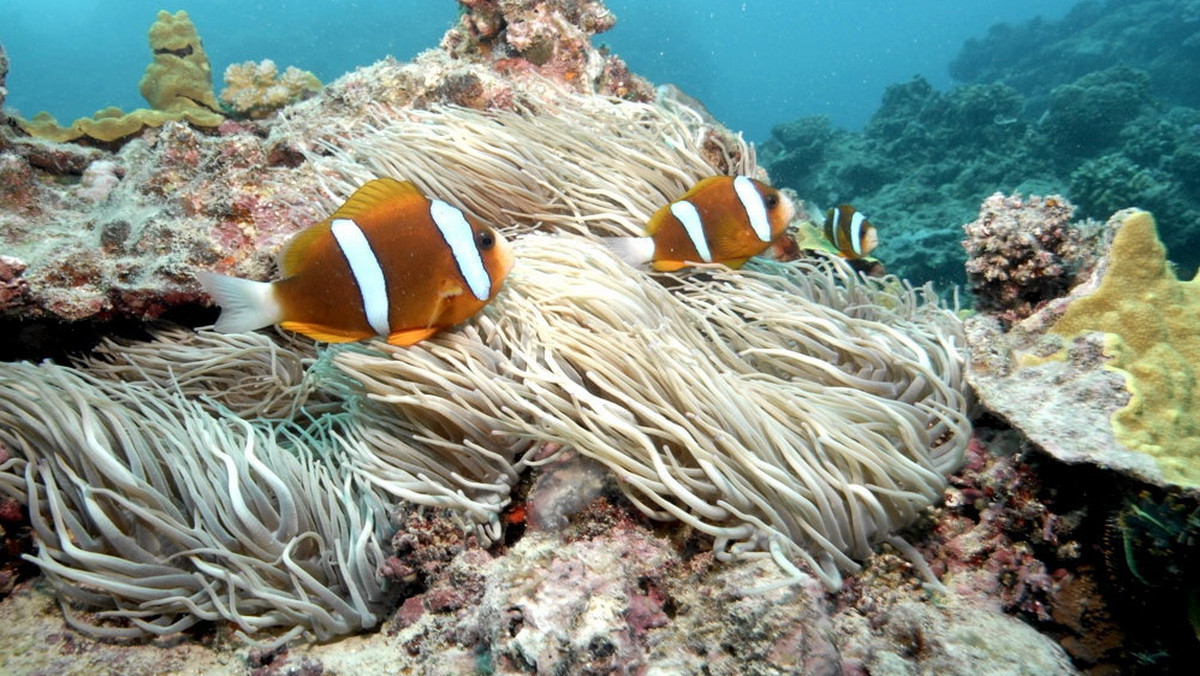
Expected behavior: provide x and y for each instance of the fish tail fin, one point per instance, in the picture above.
(636, 251)
(246, 305)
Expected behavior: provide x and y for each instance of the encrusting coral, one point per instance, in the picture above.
(177, 85)
(1150, 319)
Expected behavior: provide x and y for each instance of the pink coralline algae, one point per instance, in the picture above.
(1001, 539)
(1021, 252)
(123, 241)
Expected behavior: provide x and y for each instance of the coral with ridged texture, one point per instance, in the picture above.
(257, 90)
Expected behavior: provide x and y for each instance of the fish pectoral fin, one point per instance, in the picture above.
(735, 263)
(410, 336)
(450, 290)
(325, 333)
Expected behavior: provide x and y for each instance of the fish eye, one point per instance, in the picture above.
(772, 201)
(485, 240)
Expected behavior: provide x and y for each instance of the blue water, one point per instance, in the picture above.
(754, 64)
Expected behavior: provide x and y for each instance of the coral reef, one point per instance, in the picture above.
(604, 471)
(505, 121)
(551, 38)
(1036, 56)
(449, 425)
(177, 85)
(1089, 114)
(122, 240)
(256, 90)
(186, 200)
(3, 78)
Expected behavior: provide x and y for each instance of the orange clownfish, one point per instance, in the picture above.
(390, 262)
(850, 232)
(722, 219)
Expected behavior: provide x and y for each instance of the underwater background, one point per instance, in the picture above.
(988, 143)
(753, 64)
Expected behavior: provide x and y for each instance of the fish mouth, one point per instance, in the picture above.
(504, 256)
(788, 206)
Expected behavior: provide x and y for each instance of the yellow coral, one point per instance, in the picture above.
(1153, 324)
(177, 85)
(257, 89)
(179, 78)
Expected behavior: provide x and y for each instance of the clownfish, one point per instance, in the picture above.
(850, 232)
(722, 219)
(390, 262)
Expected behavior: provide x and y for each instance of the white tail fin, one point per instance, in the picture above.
(245, 305)
(636, 251)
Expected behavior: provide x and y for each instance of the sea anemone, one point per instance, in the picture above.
(794, 410)
(149, 508)
(797, 411)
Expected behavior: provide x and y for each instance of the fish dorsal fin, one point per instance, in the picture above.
(293, 257)
(660, 216)
(373, 193)
(370, 195)
(704, 183)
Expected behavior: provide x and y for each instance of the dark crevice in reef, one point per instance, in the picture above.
(40, 339)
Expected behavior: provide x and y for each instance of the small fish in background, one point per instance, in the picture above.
(390, 262)
(850, 232)
(722, 219)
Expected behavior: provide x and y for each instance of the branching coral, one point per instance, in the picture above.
(160, 513)
(796, 410)
(258, 90)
